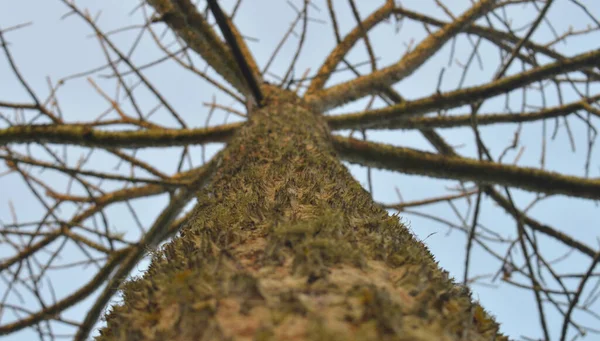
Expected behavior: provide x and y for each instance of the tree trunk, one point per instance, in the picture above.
(286, 245)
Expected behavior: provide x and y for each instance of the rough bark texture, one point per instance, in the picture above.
(286, 245)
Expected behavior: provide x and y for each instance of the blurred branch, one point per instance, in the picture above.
(185, 20)
(242, 55)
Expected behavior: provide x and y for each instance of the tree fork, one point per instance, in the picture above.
(285, 245)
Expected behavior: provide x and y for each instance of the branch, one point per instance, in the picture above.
(114, 259)
(411, 161)
(83, 135)
(242, 56)
(579, 292)
(184, 19)
(343, 121)
(494, 36)
(126, 60)
(367, 85)
(536, 225)
(100, 203)
(344, 46)
(68, 301)
(417, 203)
(452, 99)
(11, 159)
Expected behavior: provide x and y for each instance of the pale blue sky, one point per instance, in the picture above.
(57, 48)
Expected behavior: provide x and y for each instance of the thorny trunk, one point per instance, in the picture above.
(286, 245)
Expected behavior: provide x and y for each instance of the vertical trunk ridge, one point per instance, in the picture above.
(286, 245)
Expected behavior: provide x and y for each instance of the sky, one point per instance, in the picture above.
(52, 48)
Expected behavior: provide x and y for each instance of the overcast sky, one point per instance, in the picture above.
(56, 48)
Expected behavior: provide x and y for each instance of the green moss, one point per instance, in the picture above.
(316, 244)
(379, 308)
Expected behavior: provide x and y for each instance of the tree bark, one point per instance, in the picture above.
(285, 245)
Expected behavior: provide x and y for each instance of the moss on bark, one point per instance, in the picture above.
(286, 245)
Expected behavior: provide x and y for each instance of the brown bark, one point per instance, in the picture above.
(286, 245)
